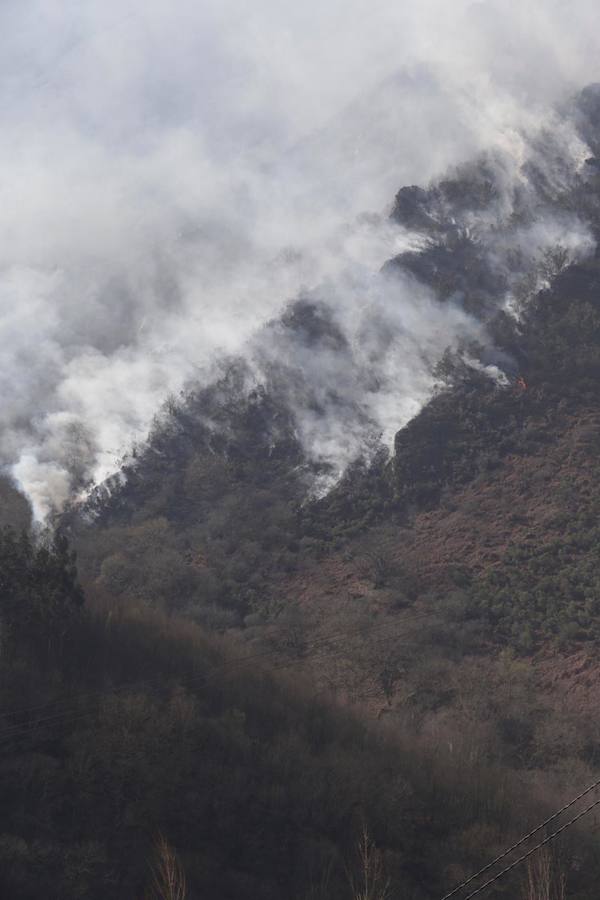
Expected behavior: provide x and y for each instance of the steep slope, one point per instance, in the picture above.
(218, 510)
(135, 725)
(448, 590)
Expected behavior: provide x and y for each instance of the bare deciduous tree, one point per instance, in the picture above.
(168, 877)
(544, 880)
(369, 881)
(379, 564)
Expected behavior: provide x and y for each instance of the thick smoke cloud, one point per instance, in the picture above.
(172, 175)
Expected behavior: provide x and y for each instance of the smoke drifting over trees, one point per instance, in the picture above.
(172, 180)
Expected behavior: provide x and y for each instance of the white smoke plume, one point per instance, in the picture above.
(172, 174)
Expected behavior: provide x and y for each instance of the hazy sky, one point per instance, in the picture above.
(172, 173)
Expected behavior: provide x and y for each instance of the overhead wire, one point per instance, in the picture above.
(261, 654)
(533, 850)
(522, 840)
(56, 714)
(75, 712)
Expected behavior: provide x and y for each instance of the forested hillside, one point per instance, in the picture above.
(254, 662)
(122, 728)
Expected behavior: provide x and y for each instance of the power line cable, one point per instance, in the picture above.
(533, 850)
(262, 654)
(522, 840)
(22, 730)
(73, 710)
